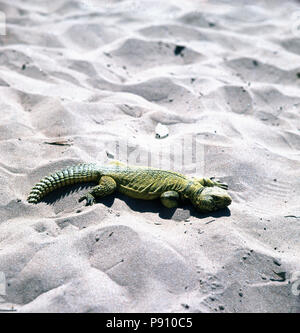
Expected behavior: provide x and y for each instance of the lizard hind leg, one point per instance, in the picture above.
(107, 185)
(170, 199)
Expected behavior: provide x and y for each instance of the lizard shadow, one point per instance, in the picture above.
(144, 206)
(138, 205)
(61, 193)
(155, 206)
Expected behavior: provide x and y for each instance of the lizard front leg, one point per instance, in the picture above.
(170, 199)
(210, 182)
(107, 185)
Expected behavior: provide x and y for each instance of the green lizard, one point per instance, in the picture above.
(137, 182)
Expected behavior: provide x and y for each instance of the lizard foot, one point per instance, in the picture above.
(90, 200)
(218, 183)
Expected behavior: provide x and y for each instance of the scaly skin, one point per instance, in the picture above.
(137, 182)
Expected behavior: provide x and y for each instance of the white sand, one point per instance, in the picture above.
(90, 73)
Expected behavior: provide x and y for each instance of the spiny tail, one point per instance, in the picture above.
(71, 175)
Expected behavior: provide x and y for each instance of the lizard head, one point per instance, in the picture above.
(210, 199)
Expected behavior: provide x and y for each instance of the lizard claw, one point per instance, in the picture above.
(90, 200)
(222, 185)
